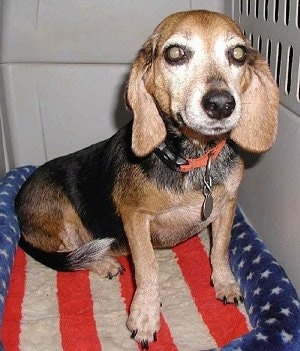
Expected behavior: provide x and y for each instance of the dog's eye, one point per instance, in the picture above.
(238, 54)
(175, 54)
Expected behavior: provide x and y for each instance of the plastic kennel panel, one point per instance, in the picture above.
(270, 192)
(93, 31)
(61, 108)
(273, 27)
(63, 67)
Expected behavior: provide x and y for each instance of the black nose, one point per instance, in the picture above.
(218, 104)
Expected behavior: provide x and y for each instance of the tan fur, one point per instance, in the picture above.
(173, 217)
(146, 117)
(74, 234)
(156, 218)
(53, 226)
(257, 128)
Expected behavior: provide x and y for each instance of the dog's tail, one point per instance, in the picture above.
(79, 259)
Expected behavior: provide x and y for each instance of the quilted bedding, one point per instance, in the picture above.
(45, 310)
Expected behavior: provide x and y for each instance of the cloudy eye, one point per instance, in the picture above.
(175, 55)
(238, 54)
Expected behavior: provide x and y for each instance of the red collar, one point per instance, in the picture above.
(203, 160)
(180, 164)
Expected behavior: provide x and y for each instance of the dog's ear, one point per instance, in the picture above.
(257, 127)
(148, 129)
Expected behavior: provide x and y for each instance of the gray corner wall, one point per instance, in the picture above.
(270, 195)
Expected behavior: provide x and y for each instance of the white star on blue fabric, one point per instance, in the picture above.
(247, 248)
(4, 253)
(286, 337)
(276, 291)
(257, 291)
(266, 307)
(241, 264)
(13, 228)
(250, 276)
(234, 250)
(271, 320)
(4, 193)
(242, 235)
(266, 273)
(8, 239)
(236, 225)
(257, 259)
(296, 303)
(260, 336)
(285, 311)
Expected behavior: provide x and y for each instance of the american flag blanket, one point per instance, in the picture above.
(41, 309)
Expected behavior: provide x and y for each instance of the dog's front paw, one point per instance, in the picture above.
(144, 320)
(228, 292)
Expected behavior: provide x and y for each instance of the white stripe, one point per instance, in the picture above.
(205, 238)
(40, 322)
(110, 314)
(180, 312)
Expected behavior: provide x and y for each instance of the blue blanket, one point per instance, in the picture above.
(270, 298)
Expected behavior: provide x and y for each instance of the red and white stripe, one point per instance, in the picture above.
(46, 310)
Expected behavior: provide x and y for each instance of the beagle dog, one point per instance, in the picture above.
(198, 92)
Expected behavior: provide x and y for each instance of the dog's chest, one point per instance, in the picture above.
(184, 218)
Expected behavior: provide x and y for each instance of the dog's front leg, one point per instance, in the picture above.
(144, 318)
(225, 285)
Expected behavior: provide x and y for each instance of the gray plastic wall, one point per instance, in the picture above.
(63, 67)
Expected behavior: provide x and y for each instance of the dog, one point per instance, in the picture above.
(198, 92)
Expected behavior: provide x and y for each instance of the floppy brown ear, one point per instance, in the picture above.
(257, 128)
(148, 129)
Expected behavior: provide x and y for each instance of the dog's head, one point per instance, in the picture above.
(198, 69)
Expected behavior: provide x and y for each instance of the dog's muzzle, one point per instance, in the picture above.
(218, 104)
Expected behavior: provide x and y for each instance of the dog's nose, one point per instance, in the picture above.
(218, 104)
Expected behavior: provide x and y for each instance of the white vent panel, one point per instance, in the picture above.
(273, 27)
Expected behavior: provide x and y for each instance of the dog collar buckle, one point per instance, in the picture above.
(179, 164)
(169, 158)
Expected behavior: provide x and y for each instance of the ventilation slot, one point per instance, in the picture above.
(289, 70)
(278, 63)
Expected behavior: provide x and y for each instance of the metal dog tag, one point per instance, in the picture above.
(208, 203)
(208, 206)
